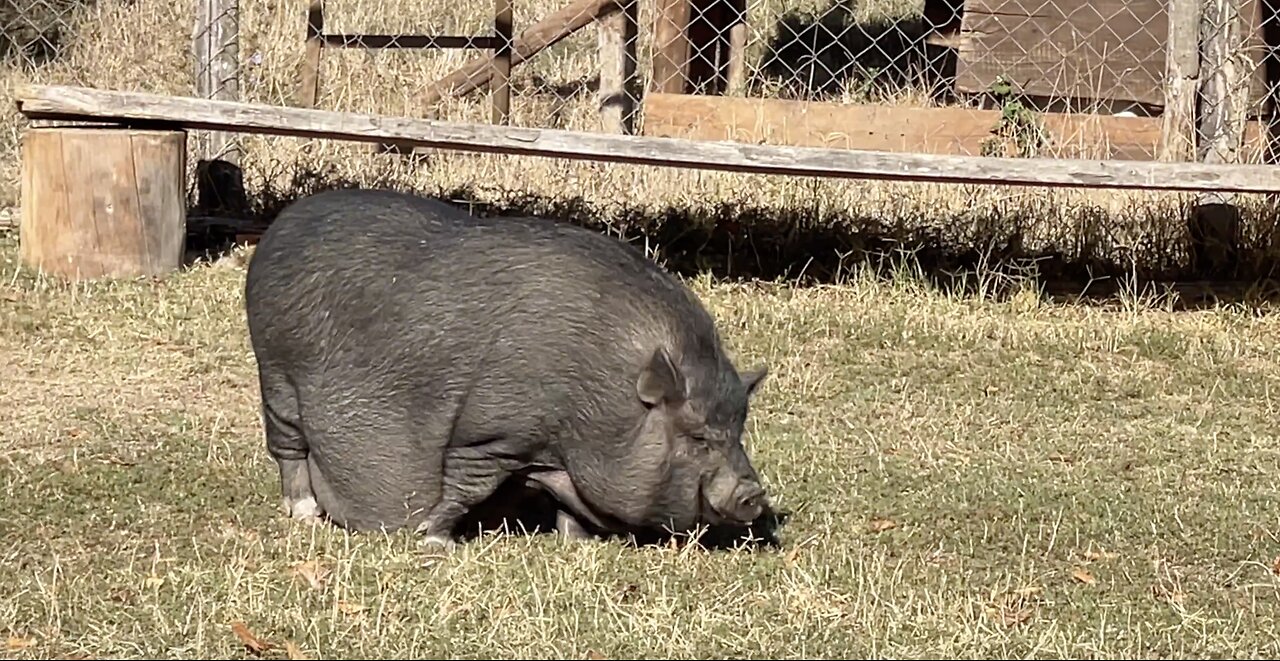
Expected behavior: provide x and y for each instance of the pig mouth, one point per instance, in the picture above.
(741, 505)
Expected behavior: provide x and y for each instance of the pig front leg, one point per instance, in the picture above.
(573, 511)
(569, 527)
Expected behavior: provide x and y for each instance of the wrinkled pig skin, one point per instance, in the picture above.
(413, 358)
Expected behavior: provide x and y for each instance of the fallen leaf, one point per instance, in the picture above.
(1275, 566)
(294, 652)
(1083, 576)
(20, 643)
(314, 572)
(1011, 617)
(790, 559)
(881, 525)
(350, 608)
(592, 654)
(255, 645)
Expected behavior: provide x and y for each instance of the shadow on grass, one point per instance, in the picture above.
(536, 514)
(808, 246)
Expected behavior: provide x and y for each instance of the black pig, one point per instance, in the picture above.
(412, 358)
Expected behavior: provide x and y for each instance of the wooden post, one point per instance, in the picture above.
(618, 32)
(217, 61)
(671, 47)
(737, 48)
(501, 81)
(1224, 93)
(103, 202)
(1182, 75)
(309, 83)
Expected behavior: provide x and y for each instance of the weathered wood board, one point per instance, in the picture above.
(1078, 49)
(56, 102)
(952, 131)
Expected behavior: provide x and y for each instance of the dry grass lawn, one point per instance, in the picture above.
(965, 478)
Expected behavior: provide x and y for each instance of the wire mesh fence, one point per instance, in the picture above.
(598, 64)
(35, 32)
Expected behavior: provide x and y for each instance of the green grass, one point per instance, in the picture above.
(966, 478)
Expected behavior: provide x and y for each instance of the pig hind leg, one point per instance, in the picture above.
(471, 474)
(287, 445)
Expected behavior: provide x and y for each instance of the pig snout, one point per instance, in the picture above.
(735, 498)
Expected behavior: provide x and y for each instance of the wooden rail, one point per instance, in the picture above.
(153, 110)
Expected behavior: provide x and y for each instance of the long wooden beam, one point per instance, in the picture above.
(139, 109)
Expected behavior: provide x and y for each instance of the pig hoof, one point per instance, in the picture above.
(305, 510)
(438, 543)
(569, 528)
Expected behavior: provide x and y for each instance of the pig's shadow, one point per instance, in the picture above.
(517, 510)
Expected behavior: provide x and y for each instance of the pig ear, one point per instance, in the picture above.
(660, 381)
(752, 378)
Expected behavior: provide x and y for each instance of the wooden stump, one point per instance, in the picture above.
(103, 202)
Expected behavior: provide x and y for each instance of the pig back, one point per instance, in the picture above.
(514, 326)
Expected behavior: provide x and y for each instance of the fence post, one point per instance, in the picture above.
(1224, 94)
(501, 81)
(737, 66)
(671, 46)
(617, 33)
(1182, 74)
(217, 61)
(310, 75)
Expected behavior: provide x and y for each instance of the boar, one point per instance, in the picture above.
(412, 358)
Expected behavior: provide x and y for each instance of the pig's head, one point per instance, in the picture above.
(697, 418)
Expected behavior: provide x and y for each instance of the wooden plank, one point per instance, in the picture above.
(1182, 71)
(55, 102)
(309, 80)
(954, 131)
(670, 71)
(503, 34)
(532, 40)
(617, 36)
(410, 41)
(1108, 49)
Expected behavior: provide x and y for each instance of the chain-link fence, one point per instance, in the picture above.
(1035, 64)
(34, 32)
(979, 77)
(997, 77)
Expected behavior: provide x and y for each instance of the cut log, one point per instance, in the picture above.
(547, 32)
(103, 202)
